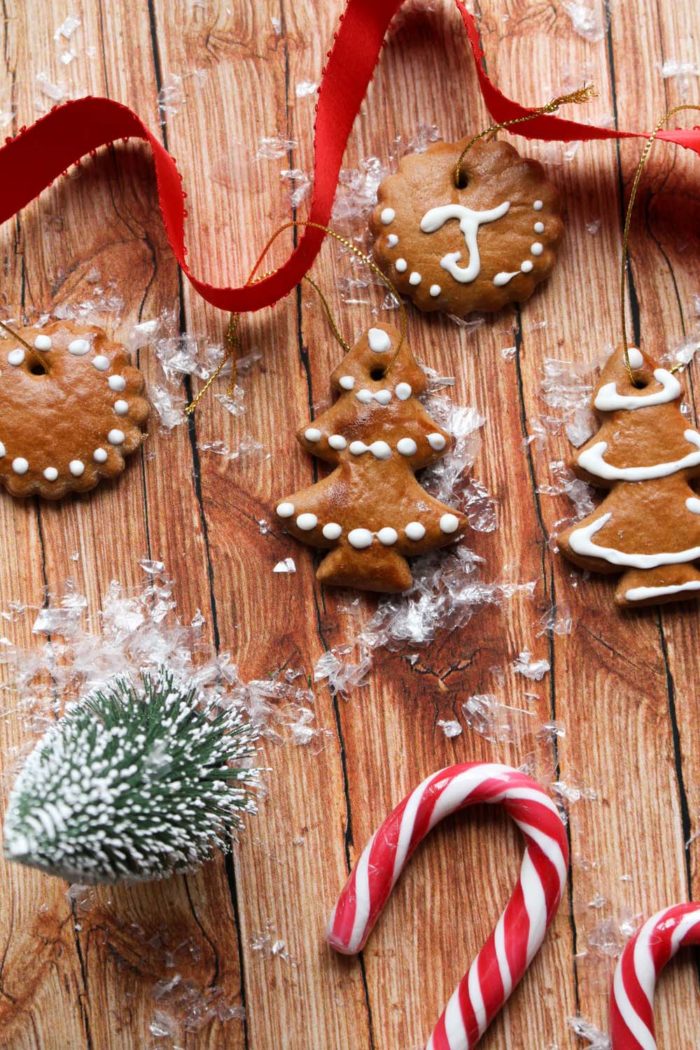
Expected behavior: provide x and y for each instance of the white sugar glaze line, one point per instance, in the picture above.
(582, 543)
(641, 594)
(593, 460)
(608, 399)
(469, 223)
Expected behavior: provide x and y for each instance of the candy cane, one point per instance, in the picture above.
(521, 928)
(644, 957)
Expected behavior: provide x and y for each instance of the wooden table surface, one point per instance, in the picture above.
(623, 687)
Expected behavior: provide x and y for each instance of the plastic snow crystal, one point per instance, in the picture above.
(133, 783)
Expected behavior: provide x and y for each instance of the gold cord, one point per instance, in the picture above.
(584, 94)
(628, 222)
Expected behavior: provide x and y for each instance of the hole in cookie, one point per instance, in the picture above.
(461, 179)
(377, 373)
(37, 369)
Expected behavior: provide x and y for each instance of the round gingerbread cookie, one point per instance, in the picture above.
(475, 246)
(70, 409)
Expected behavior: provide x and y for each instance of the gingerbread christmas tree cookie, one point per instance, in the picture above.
(70, 409)
(476, 241)
(648, 526)
(370, 513)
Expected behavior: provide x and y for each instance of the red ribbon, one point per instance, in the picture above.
(31, 161)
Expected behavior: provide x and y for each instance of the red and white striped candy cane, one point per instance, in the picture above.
(521, 928)
(644, 957)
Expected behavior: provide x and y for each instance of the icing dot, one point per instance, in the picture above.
(383, 397)
(3, 450)
(284, 510)
(312, 434)
(536, 248)
(635, 357)
(101, 363)
(307, 522)
(332, 531)
(360, 538)
(380, 450)
(527, 266)
(539, 227)
(50, 473)
(20, 465)
(387, 536)
(436, 441)
(415, 531)
(401, 265)
(435, 290)
(121, 407)
(78, 347)
(501, 279)
(693, 504)
(387, 215)
(403, 391)
(43, 342)
(538, 205)
(415, 278)
(338, 442)
(392, 240)
(100, 455)
(76, 467)
(378, 339)
(365, 396)
(117, 383)
(115, 437)
(449, 523)
(357, 448)
(407, 447)
(16, 356)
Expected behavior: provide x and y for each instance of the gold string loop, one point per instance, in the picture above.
(577, 97)
(624, 266)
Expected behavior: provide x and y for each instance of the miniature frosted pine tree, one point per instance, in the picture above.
(370, 512)
(132, 784)
(648, 526)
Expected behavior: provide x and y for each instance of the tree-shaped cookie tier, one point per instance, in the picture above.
(648, 526)
(370, 512)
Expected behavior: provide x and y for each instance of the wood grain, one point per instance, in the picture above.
(623, 686)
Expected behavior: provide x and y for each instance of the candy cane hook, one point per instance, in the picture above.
(643, 959)
(521, 928)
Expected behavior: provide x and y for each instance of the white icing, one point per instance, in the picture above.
(640, 594)
(403, 391)
(347, 382)
(435, 290)
(50, 473)
(387, 215)
(407, 447)
(16, 356)
(693, 504)
(538, 205)
(401, 265)
(312, 434)
(387, 536)
(415, 278)
(415, 531)
(338, 442)
(360, 538)
(527, 266)
(379, 449)
(538, 227)
(332, 531)
(537, 248)
(635, 357)
(449, 523)
(116, 383)
(115, 437)
(20, 465)
(101, 363)
(593, 460)
(581, 542)
(382, 397)
(504, 277)
(469, 223)
(100, 455)
(285, 510)
(307, 522)
(78, 347)
(43, 342)
(437, 441)
(3, 450)
(608, 399)
(379, 340)
(392, 240)
(365, 396)
(76, 467)
(121, 407)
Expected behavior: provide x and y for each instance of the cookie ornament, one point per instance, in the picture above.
(70, 409)
(370, 513)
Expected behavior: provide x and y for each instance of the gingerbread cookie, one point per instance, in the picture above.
(478, 247)
(370, 512)
(648, 526)
(70, 409)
